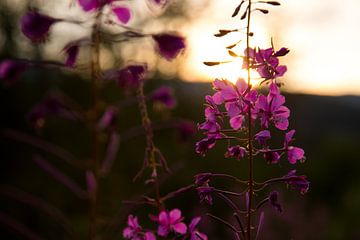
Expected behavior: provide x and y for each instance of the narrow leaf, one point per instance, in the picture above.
(264, 11)
(111, 152)
(275, 3)
(237, 9)
(233, 54)
(215, 63)
(244, 14)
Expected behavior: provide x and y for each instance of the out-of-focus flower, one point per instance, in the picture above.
(186, 130)
(272, 157)
(10, 70)
(122, 13)
(169, 45)
(194, 233)
(164, 95)
(36, 26)
(129, 76)
(294, 153)
(274, 201)
(170, 222)
(297, 182)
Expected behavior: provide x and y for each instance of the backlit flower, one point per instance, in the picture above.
(169, 45)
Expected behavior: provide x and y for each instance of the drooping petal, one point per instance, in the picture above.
(36, 26)
(194, 222)
(263, 136)
(280, 71)
(163, 230)
(289, 137)
(122, 13)
(164, 218)
(169, 45)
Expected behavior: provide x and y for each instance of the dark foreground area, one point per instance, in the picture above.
(327, 128)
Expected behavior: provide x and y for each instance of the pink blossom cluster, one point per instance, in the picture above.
(170, 223)
(231, 105)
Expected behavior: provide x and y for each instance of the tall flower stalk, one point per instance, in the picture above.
(242, 108)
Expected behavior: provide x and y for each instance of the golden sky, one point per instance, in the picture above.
(323, 37)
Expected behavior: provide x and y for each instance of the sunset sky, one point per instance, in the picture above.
(323, 37)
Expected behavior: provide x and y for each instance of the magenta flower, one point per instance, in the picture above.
(89, 5)
(271, 109)
(122, 13)
(164, 95)
(297, 182)
(262, 137)
(36, 26)
(237, 98)
(204, 145)
(169, 45)
(170, 222)
(237, 152)
(194, 233)
(135, 232)
(10, 70)
(294, 153)
(272, 157)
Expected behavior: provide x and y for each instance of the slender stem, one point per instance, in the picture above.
(95, 74)
(250, 146)
(150, 146)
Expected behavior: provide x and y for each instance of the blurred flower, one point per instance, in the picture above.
(297, 182)
(122, 13)
(194, 233)
(236, 152)
(36, 26)
(186, 130)
(170, 221)
(164, 95)
(169, 45)
(10, 70)
(273, 200)
(128, 77)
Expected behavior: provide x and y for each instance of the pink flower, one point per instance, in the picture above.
(294, 153)
(271, 109)
(170, 221)
(89, 5)
(36, 26)
(297, 182)
(164, 95)
(169, 45)
(194, 233)
(135, 232)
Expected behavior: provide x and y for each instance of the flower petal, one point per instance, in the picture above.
(122, 13)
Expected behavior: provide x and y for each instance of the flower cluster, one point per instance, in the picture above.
(169, 223)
